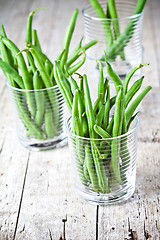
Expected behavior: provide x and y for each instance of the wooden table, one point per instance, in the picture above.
(37, 196)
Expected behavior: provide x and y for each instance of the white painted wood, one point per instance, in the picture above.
(49, 193)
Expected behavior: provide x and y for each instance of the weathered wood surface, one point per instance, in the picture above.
(36, 188)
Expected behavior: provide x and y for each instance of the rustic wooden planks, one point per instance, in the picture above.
(36, 188)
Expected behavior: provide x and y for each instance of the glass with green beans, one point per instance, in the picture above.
(104, 169)
(39, 106)
(42, 127)
(102, 136)
(117, 25)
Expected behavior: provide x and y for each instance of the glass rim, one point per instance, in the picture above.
(133, 16)
(102, 139)
(30, 90)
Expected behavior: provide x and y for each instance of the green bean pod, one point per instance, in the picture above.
(44, 75)
(76, 49)
(73, 83)
(113, 75)
(77, 54)
(117, 126)
(129, 76)
(68, 36)
(21, 63)
(76, 66)
(29, 28)
(39, 96)
(101, 132)
(6, 58)
(88, 108)
(107, 109)
(6, 68)
(100, 115)
(131, 109)
(36, 42)
(100, 13)
(97, 103)
(133, 90)
(49, 124)
(90, 167)
(113, 14)
(67, 94)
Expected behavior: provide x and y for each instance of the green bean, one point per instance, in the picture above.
(65, 82)
(31, 61)
(115, 145)
(129, 76)
(133, 90)
(41, 55)
(6, 68)
(107, 109)
(75, 114)
(45, 76)
(66, 94)
(29, 28)
(100, 169)
(106, 84)
(86, 173)
(139, 6)
(118, 114)
(101, 79)
(39, 96)
(77, 54)
(21, 63)
(102, 179)
(82, 115)
(68, 36)
(76, 49)
(131, 120)
(124, 124)
(8, 52)
(59, 57)
(110, 126)
(47, 67)
(101, 132)
(131, 109)
(36, 40)
(6, 58)
(100, 115)
(73, 83)
(112, 101)
(3, 31)
(49, 125)
(114, 16)
(108, 33)
(96, 104)
(101, 89)
(75, 67)
(90, 167)
(113, 75)
(89, 108)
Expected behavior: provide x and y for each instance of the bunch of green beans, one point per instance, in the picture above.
(35, 71)
(96, 122)
(116, 41)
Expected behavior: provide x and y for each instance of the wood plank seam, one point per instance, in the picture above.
(21, 198)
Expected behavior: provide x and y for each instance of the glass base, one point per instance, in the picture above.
(45, 145)
(106, 199)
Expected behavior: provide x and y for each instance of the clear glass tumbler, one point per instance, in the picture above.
(121, 38)
(104, 169)
(39, 117)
